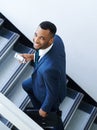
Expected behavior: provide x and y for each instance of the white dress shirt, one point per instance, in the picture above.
(42, 52)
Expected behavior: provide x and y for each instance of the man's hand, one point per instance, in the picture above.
(28, 57)
(42, 113)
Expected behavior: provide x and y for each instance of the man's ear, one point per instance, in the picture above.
(51, 40)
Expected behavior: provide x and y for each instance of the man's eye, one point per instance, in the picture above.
(42, 38)
(35, 34)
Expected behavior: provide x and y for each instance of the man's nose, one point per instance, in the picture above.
(36, 39)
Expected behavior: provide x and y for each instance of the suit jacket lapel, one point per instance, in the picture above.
(40, 62)
(43, 59)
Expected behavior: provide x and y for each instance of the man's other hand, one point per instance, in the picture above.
(42, 113)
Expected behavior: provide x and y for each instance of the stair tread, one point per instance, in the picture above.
(17, 94)
(94, 126)
(69, 105)
(68, 102)
(5, 36)
(81, 118)
(13, 67)
(8, 68)
(3, 42)
(20, 48)
(7, 40)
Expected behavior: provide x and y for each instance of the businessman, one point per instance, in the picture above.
(47, 85)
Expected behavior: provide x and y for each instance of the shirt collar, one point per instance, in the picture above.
(42, 52)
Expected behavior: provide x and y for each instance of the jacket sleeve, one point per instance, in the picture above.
(51, 79)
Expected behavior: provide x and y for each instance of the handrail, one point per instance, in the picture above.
(3, 127)
(16, 116)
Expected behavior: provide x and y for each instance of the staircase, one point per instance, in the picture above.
(76, 113)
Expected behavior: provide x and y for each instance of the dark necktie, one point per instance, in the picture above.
(36, 57)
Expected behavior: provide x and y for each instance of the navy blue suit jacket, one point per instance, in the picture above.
(49, 77)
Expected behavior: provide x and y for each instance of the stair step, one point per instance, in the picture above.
(3, 127)
(1, 21)
(16, 94)
(83, 117)
(7, 40)
(94, 126)
(20, 48)
(69, 105)
(13, 68)
(7, 69)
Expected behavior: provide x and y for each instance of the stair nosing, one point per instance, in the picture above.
(9, 45)
(14, 76)
(92, 118)
(72, 110)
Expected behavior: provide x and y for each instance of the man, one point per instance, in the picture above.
(47, 85)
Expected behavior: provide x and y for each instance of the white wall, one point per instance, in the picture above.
(77, 24)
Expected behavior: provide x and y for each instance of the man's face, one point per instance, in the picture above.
(42, 38)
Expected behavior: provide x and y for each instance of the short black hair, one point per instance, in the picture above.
(48, 25)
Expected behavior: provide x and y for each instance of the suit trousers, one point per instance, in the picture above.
(27, 86)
